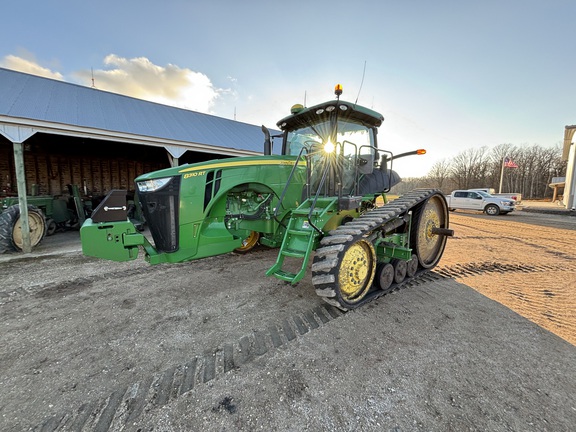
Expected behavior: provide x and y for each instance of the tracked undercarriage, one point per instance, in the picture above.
(348, 271)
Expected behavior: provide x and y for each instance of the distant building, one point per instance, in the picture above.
(569, 154)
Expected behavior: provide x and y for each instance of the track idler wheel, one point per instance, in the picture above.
(400, 267)
(412, 266)
(429, 230)
(384, 276)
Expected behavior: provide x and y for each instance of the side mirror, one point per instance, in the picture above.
(267, 141)
(366, 163)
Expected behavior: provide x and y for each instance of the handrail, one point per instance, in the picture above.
(283, 194)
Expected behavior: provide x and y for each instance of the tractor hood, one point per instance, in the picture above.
(234, 162)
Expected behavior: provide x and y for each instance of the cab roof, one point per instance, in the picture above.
(322, 112)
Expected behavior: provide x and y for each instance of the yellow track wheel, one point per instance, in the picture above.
(428, 245)
(356, 271)
(249, 242)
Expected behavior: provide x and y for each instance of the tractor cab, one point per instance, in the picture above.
(338, 140)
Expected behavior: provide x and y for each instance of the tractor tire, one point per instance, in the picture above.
(10, 228)
(51, 227)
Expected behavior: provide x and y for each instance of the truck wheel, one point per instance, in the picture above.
(492, 210)
(11, 228)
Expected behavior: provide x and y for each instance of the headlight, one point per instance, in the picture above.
(153, 185)
(506, 203)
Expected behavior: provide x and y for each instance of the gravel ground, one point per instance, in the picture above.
(215, 345)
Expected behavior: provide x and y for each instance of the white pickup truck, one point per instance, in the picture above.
(481, 201)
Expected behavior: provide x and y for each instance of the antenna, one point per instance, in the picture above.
(92, 70)
(304, 98)
(361, 83)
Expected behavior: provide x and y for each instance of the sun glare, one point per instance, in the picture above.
(329, 147)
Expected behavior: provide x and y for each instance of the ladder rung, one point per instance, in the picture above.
(284, 275)
(293, 253)
(300, 232)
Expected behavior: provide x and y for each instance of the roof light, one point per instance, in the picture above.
(338, 89)
(296, 108)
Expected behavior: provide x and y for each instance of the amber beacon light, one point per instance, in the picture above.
(338, 89)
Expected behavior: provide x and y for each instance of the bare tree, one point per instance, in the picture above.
(470, 168)
(482, 167)
(439, 175)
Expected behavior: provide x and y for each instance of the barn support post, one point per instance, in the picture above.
(17, 135)
(173, 161)
(22, 199)
(174, 154)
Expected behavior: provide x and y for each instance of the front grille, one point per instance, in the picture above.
(161, 210)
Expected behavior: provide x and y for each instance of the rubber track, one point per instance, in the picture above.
(326, 259)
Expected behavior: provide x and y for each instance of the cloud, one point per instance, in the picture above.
(140, 78)
(136, 77)
(29, 66)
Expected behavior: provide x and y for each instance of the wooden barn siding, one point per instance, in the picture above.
(52, 167)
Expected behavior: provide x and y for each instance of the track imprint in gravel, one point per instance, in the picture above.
(124, 406)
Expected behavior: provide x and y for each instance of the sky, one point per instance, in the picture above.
(447, 75)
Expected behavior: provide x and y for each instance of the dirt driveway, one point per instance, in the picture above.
(215, 345)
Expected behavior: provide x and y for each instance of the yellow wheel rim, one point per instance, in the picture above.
(249, 242)
(430, 246)
(37, 228)
(357, 270)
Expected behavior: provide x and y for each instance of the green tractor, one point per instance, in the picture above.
(46, 214)
(320, 197)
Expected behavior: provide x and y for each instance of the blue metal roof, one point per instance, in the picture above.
(42, 99)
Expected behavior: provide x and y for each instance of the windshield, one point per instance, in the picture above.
(346, 150)
(350, 135)
(484, 194)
